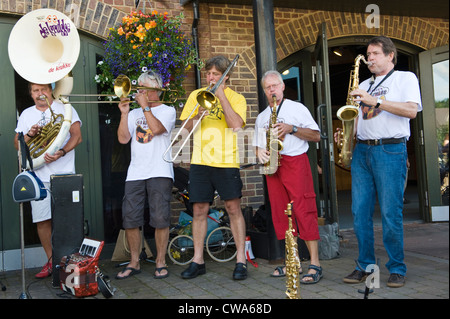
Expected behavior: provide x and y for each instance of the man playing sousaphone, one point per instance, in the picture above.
(30, 123)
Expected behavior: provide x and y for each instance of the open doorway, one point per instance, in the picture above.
(341, 60)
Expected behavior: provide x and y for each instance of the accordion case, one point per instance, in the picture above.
(78, 272)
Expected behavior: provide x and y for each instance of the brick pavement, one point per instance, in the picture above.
(426, 252)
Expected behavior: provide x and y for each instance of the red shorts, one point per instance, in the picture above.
(293, 182)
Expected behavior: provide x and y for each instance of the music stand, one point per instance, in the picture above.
(366, 291)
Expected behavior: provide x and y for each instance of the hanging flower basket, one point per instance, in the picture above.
(147, 42)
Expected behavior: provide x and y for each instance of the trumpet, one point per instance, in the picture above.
(206, 99)
(122, 88)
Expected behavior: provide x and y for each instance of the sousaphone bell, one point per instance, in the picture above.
(43, 48)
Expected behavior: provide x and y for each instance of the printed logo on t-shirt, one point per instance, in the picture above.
(216, 113)
(369, 112)
(44, 120)
(143, 133)
(268, 123)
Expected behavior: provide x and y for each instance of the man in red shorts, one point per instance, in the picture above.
(292, 180)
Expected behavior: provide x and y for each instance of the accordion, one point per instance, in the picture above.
(78, 273)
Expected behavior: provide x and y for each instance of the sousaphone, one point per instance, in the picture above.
(43, 48)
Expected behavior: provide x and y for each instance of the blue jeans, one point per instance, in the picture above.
(379, 171)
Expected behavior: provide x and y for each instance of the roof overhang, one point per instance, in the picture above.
(410, 8)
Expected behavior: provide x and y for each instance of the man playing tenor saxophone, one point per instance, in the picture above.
(292, 181)
(387, 102)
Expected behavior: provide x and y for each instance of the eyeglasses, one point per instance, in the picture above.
(273, 86)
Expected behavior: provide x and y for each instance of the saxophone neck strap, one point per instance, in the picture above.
(373, 81)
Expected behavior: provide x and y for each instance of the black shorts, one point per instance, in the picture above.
(159, 190)
(204, 180)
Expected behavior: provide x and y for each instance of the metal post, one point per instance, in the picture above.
(266, 59)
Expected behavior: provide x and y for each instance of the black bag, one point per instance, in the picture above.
(259, 220)
(27, 186)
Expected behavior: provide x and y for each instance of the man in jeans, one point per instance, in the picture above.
(388, 101)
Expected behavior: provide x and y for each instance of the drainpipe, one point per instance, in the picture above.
(195, 39)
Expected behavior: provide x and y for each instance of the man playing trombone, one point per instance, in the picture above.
(215, 163)
(149, 128)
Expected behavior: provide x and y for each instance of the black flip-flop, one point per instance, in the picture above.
(134, 271)
(159, 271)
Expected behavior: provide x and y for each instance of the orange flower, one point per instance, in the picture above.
(150, 54)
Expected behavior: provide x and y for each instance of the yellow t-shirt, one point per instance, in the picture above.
(215, 144)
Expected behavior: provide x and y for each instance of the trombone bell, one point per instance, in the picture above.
(206, 99)
(122, 86)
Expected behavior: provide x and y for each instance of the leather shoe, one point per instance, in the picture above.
(355, 277)
(396, 281)
(194, 270)
(240, 271)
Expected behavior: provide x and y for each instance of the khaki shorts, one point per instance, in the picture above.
(159, 190)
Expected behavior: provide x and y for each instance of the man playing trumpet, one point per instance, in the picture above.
(149, 128)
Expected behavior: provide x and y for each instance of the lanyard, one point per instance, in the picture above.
(387, 75)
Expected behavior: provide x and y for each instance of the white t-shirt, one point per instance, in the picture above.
(374, 123)
(31, 116)
(292, 113)
(147, 150)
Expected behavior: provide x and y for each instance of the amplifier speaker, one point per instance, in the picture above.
(67, 218)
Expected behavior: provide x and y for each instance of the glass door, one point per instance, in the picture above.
(434, 78)
(324, 119)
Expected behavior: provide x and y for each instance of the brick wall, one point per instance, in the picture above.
(228, 29)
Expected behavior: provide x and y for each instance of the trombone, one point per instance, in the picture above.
(122, 88)
(206, 99)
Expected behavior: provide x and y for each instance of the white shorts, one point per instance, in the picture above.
(42, 209)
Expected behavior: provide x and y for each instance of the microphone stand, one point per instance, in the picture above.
(3, 256)
(24, 294)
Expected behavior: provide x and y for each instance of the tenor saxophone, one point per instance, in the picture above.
(273, 144)
(292, 260)
(347, 114)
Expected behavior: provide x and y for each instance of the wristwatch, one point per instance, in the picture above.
(147, 109)
(379, 101)
(294, 129)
